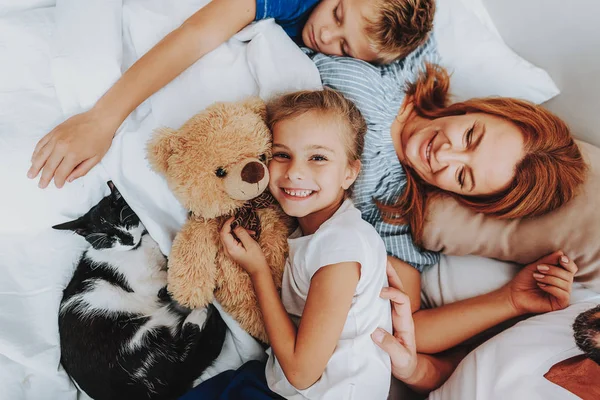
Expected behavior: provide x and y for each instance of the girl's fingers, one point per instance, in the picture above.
(244, 236)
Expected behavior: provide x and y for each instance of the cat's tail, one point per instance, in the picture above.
(587, 333)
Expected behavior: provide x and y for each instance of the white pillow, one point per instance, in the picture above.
(480, 62)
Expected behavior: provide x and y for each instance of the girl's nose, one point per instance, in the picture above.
(295, 172)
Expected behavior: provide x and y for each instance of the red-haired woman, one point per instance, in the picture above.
(499, 156)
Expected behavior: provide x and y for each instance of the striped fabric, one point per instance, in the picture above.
(378, 91)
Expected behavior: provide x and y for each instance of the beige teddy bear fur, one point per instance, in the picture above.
(214, 164)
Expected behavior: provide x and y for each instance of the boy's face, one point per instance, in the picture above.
(337, 27)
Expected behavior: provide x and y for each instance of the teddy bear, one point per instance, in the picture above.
(215, 165)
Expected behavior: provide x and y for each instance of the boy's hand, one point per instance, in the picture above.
(401, 347)
(71, 149)
(245, 251)
(542, 286)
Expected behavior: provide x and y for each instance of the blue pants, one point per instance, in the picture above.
(248, 383)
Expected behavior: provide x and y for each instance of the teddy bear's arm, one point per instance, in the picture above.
(192, 263)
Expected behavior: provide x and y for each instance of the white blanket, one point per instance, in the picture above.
(57, 60)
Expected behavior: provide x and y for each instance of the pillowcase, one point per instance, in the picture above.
(574, 228)
(480, 62)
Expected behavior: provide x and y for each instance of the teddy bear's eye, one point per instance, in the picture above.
(262, 157)
(220, 172)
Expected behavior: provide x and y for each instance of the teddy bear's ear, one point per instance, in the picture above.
(256, 105)
(160, 147)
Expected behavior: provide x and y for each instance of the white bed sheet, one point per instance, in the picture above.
(56, 62)
(45, 78)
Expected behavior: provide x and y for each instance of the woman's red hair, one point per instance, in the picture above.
(546, 178)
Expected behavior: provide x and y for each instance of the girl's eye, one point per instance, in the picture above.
(280, 156)
(318, 158)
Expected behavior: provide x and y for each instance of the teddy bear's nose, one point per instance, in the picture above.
(253, 172)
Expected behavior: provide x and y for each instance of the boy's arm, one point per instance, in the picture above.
(79, 143)
(303, 355)
(201, 33)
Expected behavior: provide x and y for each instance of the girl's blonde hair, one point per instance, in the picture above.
(546, 178)
(326, 101)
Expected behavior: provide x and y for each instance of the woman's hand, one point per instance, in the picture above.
(242, 249)
(401, 346)
(71, 149)
(542, 286)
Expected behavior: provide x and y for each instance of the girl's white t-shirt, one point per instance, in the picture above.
(358, 369)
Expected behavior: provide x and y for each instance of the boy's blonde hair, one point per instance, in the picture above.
(400, 27)
(328, 102)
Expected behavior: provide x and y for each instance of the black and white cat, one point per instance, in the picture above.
(121, 335)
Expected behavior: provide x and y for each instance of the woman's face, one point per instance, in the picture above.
(472, 154)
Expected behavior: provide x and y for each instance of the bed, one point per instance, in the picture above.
(58, 56)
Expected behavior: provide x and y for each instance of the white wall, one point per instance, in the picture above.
(563, 37)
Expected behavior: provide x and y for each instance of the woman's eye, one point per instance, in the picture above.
(469, 135)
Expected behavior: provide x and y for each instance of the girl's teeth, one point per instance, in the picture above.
(298, 193)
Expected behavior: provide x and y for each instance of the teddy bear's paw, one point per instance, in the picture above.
(191, 299)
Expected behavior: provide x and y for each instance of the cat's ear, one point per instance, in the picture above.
(114, 192)
(79, 226)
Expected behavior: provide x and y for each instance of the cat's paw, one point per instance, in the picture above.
(198, 316)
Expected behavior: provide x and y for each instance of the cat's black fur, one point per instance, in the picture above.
(121, 335)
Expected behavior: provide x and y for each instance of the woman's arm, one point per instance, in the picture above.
(72, 148)
(525, 294)
(303, 355)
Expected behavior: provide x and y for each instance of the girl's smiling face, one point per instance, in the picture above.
(310, 170)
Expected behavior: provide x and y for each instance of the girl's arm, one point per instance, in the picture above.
(303, 355)
(72, 148)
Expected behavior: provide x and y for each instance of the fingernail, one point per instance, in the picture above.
(378, 336)
(564, 259)
(538, 276)
(543, 267)
(30, 175)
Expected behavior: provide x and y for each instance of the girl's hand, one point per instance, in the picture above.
(401, 347)
(242, 249)
(542, 286)
(71, 149)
